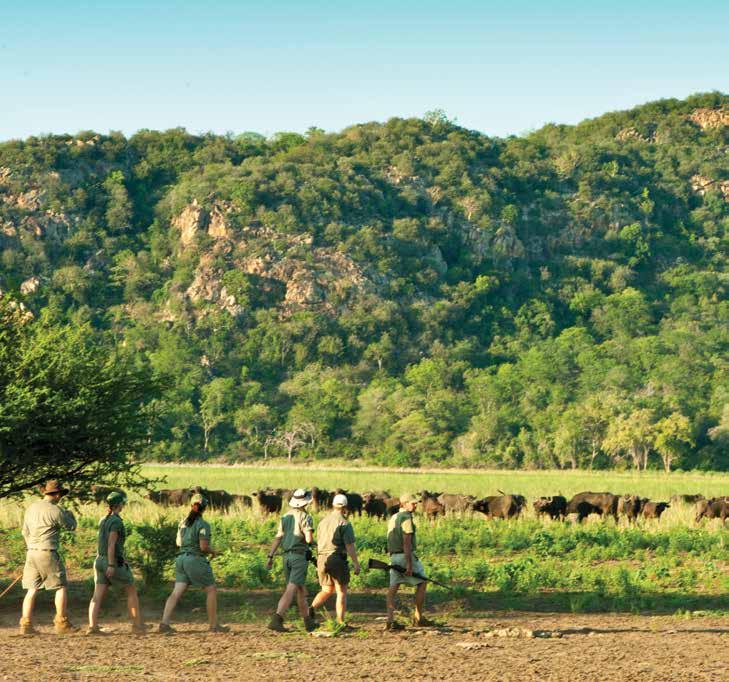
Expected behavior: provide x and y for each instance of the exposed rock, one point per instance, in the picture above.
(303, 290)
(5, 174)
(631, 133)
(218, 225)
(30, 200)
(710, 118)
(701, 185)
(208, 286)
(30, 286)
(192, 219)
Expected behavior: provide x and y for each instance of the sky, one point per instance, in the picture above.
(499, 67)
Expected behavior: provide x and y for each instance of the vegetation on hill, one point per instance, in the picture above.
(412, 292)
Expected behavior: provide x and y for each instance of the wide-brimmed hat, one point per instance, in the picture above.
(410, 497)
(115, 498)
(197, 498)
(339, 500)
(53, 486)
(300, 498)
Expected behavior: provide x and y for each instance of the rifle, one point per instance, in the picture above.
(10, 587)
(381, 565)
(310, 557)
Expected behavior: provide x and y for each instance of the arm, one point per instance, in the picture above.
(309, 536)
(111, 553)
(272, 551)
(205, 547)
(408, 547)
(352, 551)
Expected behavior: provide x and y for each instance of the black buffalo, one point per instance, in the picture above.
(584, 504)
(555, 506)
(500, 506)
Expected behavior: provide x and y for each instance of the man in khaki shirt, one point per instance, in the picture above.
(335, 540)
(44, 568)
(401, 545)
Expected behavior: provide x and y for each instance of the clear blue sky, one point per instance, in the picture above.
(500, 67)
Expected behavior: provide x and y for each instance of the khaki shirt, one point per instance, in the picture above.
(43, 523)
(188, 537)
(333, 534)
(292, 528)
(107, 526)
(400, 524)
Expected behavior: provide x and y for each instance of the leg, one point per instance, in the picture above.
(95, 604)
(29, 604)
(172, 600)
(323, 596)
(286, 598)
(301, 595)
(341, 601)
(211, 603)
(61, 600)
(420, 600)
(391, 594)
(135, 613)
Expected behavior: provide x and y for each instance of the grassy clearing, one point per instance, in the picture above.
(671, 565)
(244, 479)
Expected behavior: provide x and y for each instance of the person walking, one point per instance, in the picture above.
(335, 540)
(295, 535)
(402, 545)
(110, 568)
(192, 566)
(44, 567)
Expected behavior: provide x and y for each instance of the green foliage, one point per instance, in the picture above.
(412, 292)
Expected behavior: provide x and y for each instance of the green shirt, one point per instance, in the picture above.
(43, 523)
(400, 524)
(107, 526)
(188, 537)
(292, 528)
(333, 533)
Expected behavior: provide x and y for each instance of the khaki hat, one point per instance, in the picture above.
(115, 498)
(197, 498)
(410, 497)
(54, 486)
(300, 498)
(339, 500)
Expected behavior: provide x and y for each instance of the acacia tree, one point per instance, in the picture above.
(673, 434)
(632, 434)
(71, 406)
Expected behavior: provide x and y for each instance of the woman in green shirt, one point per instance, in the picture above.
(192, 566)
(110, 568)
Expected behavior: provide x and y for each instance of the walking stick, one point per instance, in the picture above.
(11, 586)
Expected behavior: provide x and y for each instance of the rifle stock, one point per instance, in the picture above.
(382, 566)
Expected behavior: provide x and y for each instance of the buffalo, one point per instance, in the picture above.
(500, 506)
(217, 499)
(380, 504)
(457, 503)
(654, 510)
(167, 497)
(242, 500)
(686, 499)
(554, 506)
(355, 501)
(320, 499)
(584, 504)
(269, 502)
(629, 506)
(101, 492)
(715, 508)
(430, 505)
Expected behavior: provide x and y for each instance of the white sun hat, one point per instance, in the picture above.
(300, 498)
(339, 500)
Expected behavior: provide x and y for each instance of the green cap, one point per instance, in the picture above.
(115, 498)
(197, 498)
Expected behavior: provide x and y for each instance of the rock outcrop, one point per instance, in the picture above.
(710, 118)
(701, 185)
(191, 220)
(30, 286)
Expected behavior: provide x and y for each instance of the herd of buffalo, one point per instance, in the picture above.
(381, 504)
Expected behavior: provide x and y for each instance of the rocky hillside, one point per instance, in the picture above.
(409, 291)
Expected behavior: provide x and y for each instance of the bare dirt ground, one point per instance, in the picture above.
(565, 647)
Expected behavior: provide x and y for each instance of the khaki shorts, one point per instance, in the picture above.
(295, 567)
(122, 574)
(193, 570)
(332, 568)
(397, 578)
(44, 569)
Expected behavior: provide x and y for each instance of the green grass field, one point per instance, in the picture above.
(244, 479)
(671, 565)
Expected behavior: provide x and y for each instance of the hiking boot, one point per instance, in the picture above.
(140, 629)
(346, 628)
(90, 631)
(166, 629)
(63, 626)
(276, 623)
(219, 628)
(394, 626)
(424, 622)
(26, 628)
(312, 613)
(310, 624)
